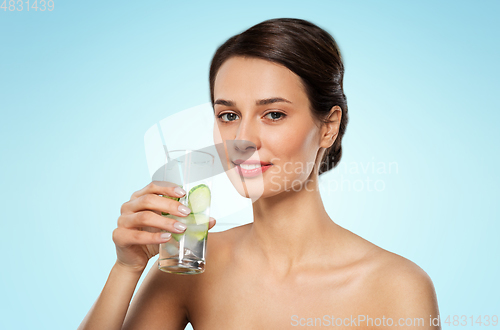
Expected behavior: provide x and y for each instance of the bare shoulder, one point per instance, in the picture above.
(401, 286)
(391, 284)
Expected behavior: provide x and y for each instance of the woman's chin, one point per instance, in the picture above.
(264, 186)
(256, 195)
(255, 191)
(252, 188)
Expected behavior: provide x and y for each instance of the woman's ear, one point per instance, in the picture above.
(330, 130)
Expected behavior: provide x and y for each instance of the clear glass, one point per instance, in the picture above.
(193, 170)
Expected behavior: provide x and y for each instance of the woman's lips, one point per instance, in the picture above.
(251, 170)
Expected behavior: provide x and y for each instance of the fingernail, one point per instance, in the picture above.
(184, 209)
(180, 226)
(179, 191)
(165, 236)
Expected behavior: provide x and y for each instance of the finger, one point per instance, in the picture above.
(150, 219)
(211, 223)
(157, 203)
(160, 188)
(123, 237)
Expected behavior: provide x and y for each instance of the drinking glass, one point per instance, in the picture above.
(184, 253)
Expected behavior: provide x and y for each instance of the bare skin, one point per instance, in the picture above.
(293, 264)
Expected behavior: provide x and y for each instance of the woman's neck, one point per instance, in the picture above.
(291, 229)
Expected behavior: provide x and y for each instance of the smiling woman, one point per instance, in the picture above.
(280, 115)
(307, 51)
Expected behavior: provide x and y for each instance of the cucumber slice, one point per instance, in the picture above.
(174, 198)
(199, 198)
(177, 237)
(201, 218)
(196, 232)
(198, 201)
(189, 220)
(198, 235)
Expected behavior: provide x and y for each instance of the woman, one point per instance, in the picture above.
(277, 93)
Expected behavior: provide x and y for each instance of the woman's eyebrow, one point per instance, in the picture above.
(271, 100)
(230, 103)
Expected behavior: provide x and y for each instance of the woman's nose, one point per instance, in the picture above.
(246, 137)
(244, 145)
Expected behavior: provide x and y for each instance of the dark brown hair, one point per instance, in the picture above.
(308, 51)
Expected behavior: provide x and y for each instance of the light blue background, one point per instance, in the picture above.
(79, 87)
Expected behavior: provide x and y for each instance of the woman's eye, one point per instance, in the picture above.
(229, 116)
(275, 115)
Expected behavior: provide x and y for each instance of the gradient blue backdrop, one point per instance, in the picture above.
(79, 87)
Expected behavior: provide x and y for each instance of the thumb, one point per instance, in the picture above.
(211, 223)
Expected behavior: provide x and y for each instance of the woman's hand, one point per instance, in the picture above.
(139, 234)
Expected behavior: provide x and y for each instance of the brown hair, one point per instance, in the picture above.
(308, 51)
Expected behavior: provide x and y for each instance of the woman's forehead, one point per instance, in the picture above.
(257, 79)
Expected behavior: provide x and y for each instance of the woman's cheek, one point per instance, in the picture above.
(275, 169)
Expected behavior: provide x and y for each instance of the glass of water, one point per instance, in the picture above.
(192, 170)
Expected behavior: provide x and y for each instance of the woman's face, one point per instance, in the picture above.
(280, 133)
